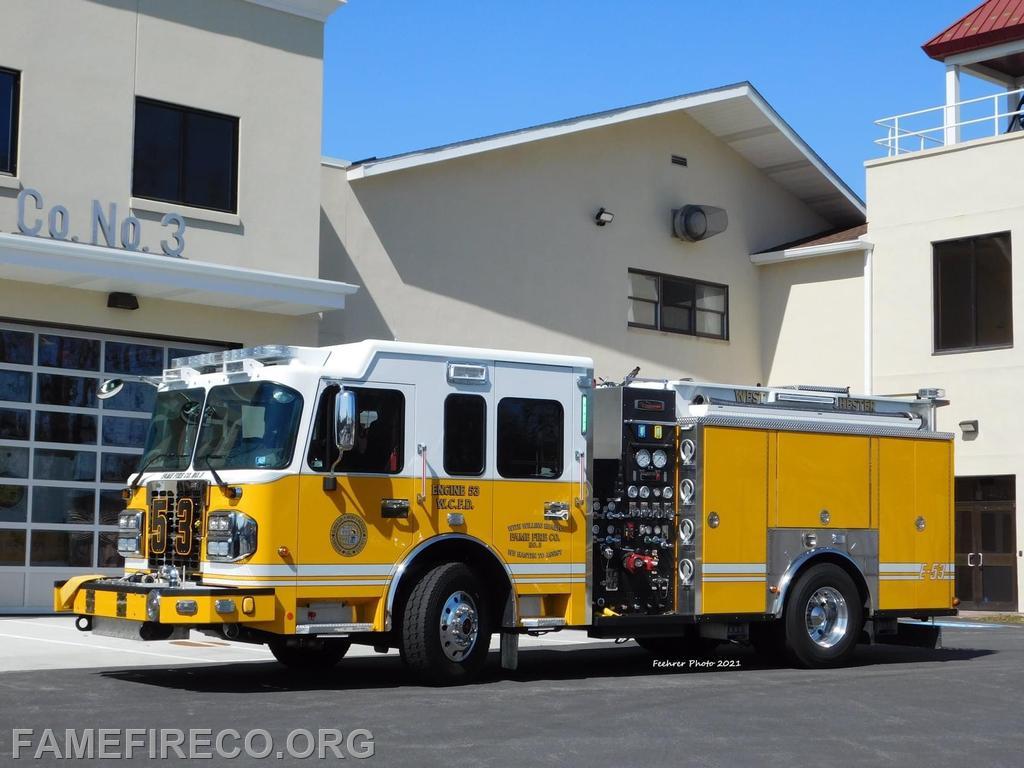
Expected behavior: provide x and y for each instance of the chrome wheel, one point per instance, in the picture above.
(459, 626)
(826, 617)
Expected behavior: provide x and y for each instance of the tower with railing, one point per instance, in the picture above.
(988, 44)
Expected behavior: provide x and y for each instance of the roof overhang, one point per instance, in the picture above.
(95, 268)
(318, 10)
(737, 114)
(811, 251)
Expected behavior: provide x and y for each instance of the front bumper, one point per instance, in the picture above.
(162, 604)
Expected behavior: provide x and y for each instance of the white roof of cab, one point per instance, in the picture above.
(354, 360)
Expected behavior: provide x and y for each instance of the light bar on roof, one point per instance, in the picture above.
(264, 354)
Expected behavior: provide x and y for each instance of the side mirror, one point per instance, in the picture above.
(109, 388)
(345, 420)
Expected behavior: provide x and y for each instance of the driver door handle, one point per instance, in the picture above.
(392, 508)
(556, 510)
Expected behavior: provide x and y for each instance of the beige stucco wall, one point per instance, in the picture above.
(967, 190)
(812, 321)
(82, 65)
(500, 249)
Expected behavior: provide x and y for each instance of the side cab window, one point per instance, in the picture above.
(380, 433)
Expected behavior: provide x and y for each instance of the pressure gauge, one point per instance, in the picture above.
(660, 459)
(667, 492)
(643, 458)
(632, 491)
(644, 491)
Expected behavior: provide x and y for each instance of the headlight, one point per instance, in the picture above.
(230, 536)
(129, 529)
(643, 458)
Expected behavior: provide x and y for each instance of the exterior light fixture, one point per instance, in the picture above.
(969, 427)
(122, 301)
(603, 217)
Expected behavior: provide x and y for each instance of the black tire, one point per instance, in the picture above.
(432, 648)
(309, 657)
(836, 637)
(681, 647)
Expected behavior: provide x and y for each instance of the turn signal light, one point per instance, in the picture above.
(283, 552)
(773, 589)
(956, 601)
(248, 605)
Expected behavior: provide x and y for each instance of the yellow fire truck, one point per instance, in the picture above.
(427, 498)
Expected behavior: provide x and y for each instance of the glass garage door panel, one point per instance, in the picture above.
(64, 454)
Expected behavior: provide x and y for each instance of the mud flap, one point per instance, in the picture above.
(509, 651)
(911, 633)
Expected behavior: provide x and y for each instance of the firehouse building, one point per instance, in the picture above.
(694, 236)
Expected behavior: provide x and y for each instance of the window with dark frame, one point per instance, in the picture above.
(530, 438)
(465, 434)
(10, 97)
(185, 156)
(380, 433)
(662, 302)
(973, 301)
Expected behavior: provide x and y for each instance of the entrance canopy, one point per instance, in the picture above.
(95, 268)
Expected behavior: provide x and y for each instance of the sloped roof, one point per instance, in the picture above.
(845, 235)
(737, 114)
(991, 23)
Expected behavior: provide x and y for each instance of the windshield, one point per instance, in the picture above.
(251, 425)
(172, 432)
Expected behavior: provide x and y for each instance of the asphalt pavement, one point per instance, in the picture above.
(573, 701)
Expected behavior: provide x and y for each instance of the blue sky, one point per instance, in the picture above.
(408, 74)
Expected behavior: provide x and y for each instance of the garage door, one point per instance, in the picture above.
(64, 455)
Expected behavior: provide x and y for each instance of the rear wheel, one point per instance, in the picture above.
(309, 657)
(446, 628)
(823, 618)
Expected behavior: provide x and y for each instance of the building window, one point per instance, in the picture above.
(678, 305)
(380, 433)
(185, 156)
(530, 438)
(10, 82)
(973, 302)
(465, 434)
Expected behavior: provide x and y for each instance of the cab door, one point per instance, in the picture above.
(734, 525)
(352, 535)
(539, 528)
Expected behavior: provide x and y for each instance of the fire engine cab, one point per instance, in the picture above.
(429, 497)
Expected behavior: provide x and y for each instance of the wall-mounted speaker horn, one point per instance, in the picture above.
(698, 222)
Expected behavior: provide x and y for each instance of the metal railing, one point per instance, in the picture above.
(953, 123)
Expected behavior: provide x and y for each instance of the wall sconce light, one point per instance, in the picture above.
(969, 427)
(603, 217)
(118, 300)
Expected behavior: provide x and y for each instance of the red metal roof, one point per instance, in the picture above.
(991, 23)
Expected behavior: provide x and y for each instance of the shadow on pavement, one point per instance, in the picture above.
(368, 672)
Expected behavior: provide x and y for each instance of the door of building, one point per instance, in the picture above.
(986, 543)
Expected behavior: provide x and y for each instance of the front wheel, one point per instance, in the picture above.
(309, 657)
(446, 629)
(824, 617)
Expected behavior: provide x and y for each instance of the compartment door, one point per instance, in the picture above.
(734, 522)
